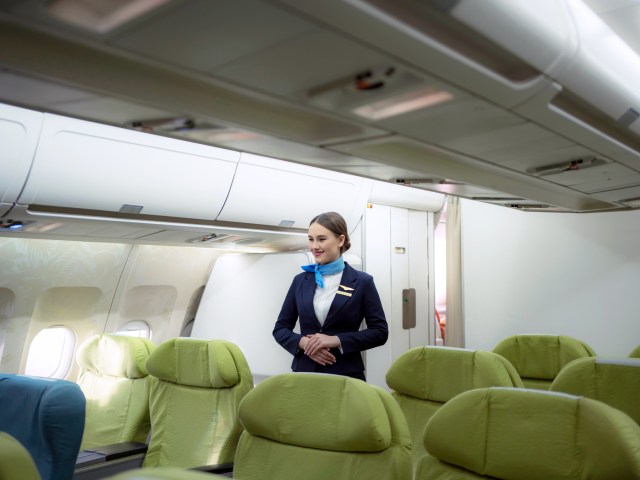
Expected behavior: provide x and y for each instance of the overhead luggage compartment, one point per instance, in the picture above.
(275, 193)
(19, 129)
(87, 166)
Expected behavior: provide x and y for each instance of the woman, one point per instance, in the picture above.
(330, 299)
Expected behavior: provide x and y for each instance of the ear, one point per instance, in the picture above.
(341, 242)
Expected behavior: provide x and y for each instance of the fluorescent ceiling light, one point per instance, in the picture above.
(403, 103)
(101, 16)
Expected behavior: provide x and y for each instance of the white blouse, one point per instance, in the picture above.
(324, 296)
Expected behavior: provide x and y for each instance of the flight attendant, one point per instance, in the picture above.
(330, 299)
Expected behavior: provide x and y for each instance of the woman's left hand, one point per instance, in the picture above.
(318, 341)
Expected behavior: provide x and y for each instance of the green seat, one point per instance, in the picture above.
(311, 425)
(15, 461)
(195, 389)
(524, 434)
(424, 378)
(614, 381)
(539, 358)
(113, 378)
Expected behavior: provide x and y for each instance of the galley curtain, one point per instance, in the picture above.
(455, 320)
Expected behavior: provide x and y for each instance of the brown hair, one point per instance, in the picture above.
(335, 223)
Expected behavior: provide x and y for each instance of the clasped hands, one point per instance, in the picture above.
(317, 347)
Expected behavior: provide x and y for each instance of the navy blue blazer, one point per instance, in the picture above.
(356, 299)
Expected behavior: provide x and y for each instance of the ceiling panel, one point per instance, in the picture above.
(205, 34)
(292, 68)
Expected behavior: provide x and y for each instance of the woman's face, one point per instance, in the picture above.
(324, 244)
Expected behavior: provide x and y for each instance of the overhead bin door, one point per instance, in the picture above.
(19, 129)
(272, 192)
(83, 165)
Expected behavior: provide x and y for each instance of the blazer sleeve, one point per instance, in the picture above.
(377, 330)
(283, 330)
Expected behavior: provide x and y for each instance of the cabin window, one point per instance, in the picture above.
(135, 328)
(51, 353)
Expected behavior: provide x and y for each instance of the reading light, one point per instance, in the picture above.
(101, 16)
(403, 103)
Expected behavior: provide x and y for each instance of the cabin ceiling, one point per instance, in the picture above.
(281, 78)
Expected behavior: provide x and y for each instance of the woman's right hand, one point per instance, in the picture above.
(322, 356)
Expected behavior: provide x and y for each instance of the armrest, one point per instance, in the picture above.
(109, 460)
(111, 452)
(219, 468)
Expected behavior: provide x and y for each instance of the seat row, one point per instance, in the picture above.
(298, 414)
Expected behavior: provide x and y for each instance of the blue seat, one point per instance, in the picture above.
(47, 417)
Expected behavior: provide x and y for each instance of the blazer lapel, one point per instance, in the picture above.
(347, 286)
(308, 292)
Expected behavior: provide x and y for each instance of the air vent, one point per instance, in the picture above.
(172, 125)
(536, 207)
(571, 165)
(247, 241)
(209, 238)
(631, 202)
(378, 93)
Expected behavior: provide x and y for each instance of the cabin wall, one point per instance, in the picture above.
(93, 287)
(571, 274)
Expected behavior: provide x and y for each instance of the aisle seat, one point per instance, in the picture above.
(425, 378)
(195, 389)
(525, 434)
(307, 426)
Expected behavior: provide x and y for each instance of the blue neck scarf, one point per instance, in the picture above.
(326, 269)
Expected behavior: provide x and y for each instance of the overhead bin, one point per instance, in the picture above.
(404, 196)
(19, 129)
(89, 166)
(272, 192)
(592, 64)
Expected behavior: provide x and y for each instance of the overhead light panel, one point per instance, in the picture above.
(403, 103)
(101, 16)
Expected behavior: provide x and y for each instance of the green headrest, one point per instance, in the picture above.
(614, 381)
(542, 356)
(320, 411)
(115, 355)
(196, 363)
(519, 434)
(635, 353)
(15, 460)
(440, 373)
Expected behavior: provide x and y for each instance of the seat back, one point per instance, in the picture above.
(313, 425)
(539, 358)
(523, 434)
(614, 381)
(15, 461)
(113, 378)
(424, 378)
(47, 417)
(195, 389)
